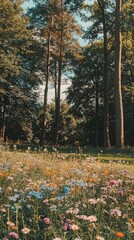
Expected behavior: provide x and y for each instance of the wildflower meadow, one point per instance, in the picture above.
(49, 196)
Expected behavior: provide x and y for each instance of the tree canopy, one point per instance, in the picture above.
(42, 46)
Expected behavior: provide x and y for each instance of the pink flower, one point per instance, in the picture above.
(47, 220)
(69, 221)
(65, 227)
(113, 182)
(115, 212)
(14, 235)
(83, 217)
(69, 226)
(121, 193)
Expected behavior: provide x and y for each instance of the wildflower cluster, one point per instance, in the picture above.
(65, 199)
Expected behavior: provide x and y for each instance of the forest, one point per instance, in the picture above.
(43, 45)
(66, 165)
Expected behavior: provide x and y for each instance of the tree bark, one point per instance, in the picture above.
(59, 79)
(96, 113)
(58, 100)
(42, 140)
(3, 127)
(55, 84)
(105, 80)
(117, 78)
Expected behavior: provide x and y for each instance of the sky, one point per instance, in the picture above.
(28, 3)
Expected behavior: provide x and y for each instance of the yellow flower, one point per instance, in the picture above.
(3, 174)
(89, 180)
(105, 172)
(131, 221)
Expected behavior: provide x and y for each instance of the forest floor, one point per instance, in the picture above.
(66, 196)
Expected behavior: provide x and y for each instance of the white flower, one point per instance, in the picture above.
(14, 198)
(99, 238)
(92, 218)
(57, 238)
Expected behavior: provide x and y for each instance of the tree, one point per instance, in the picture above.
(66, 46)
(105, 75)
(67, 125)
(117, 77)
(85, 95)
(42, 140)
(101, 19)
(15, 39)
(56, 26)
(41, 18)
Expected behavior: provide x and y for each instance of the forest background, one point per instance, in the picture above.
(41, 46)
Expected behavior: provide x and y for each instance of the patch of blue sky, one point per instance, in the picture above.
(27, 4)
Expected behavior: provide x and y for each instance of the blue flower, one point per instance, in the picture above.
(66, 190)
(79, 182)
(36, 194)
(45, 188)
(50, 189)
(60, 197)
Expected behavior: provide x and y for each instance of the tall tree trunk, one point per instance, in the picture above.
(105, 80)
(59, 78)
(42, 139)
(117, 78)
(58, 100)
(55, 84)
(96, 113)
(3, 127)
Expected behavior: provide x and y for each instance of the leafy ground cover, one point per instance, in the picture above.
(65, 197)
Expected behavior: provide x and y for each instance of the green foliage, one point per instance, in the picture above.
(67, 125)
(23, 66)
(17, 80)
(13, 39)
